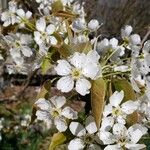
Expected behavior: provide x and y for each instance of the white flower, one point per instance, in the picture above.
(9, 17)
(93, 25)
(85, 137)
(78, 68)
(52, 111)
(118, 112)
(22, 16)
(123, 137)
(43, 35)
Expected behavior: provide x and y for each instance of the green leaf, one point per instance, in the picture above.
(57, 139)
(57, 6)
(45, 90)
(83, 47)
(46, 65)
(122, 84)
(98, 92)
(65, 50)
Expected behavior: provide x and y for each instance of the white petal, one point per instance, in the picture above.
(76, 144)
(58, 101)
(43, 104)
(106, 137)
(77, 60)
(21, 13)
(53, 40)
(43, 115)
(28, 14)
(94, 147)
(91, 70)
(61, 124)
(112, 147)
(90, 125)
(113, 43)
(135, 146)
(135, 39)
(121, 119)
(77, 129)
(119, 130)
(136, 132)
(65, 84)
(69, 113)
(107, 110)
(93, 24)
(63, 68)
(26, 51)
(83, 86)
(129, 107)
(41, 24)
(116, 98)
(93, 56)
(50, 29)
(126, 31)
(107, 123)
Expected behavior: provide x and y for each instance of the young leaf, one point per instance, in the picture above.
(98, 93)
(45, 90)
(46, 65)
(57, 139)
(57, 6)
(122, 84)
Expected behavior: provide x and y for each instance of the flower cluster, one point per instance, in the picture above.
(111, 75)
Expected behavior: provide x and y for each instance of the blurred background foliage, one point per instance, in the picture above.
(15, 115)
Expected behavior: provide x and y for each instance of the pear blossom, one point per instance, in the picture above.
(77, 70)
(117, 111)
(9, 17)
(123, 137)
(85, 137)
(54, 111)
(132, 39)
(43, 35)
(23, 16)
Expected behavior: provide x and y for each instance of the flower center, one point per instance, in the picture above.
(88, 139)
(55, 112)
(76, 73)
(17, 43)
(116, 112)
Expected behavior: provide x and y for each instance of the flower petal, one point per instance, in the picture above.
(41, 24)
(65, 84)
(58, 101)
(77, 129)
(107, 110)
(77, 59)
(63, 68)
(94, 147)
(92, 57)
(69, 113)
(91, 70)
(135, 146)
(112, 147)
(116, 98)
(119, 130)
(76, 144)
(83, 86)
(43, 115)
(129, 107)
(107, 123)
(90, 125)
(61, 124)
(50, 29)
(43, 104)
